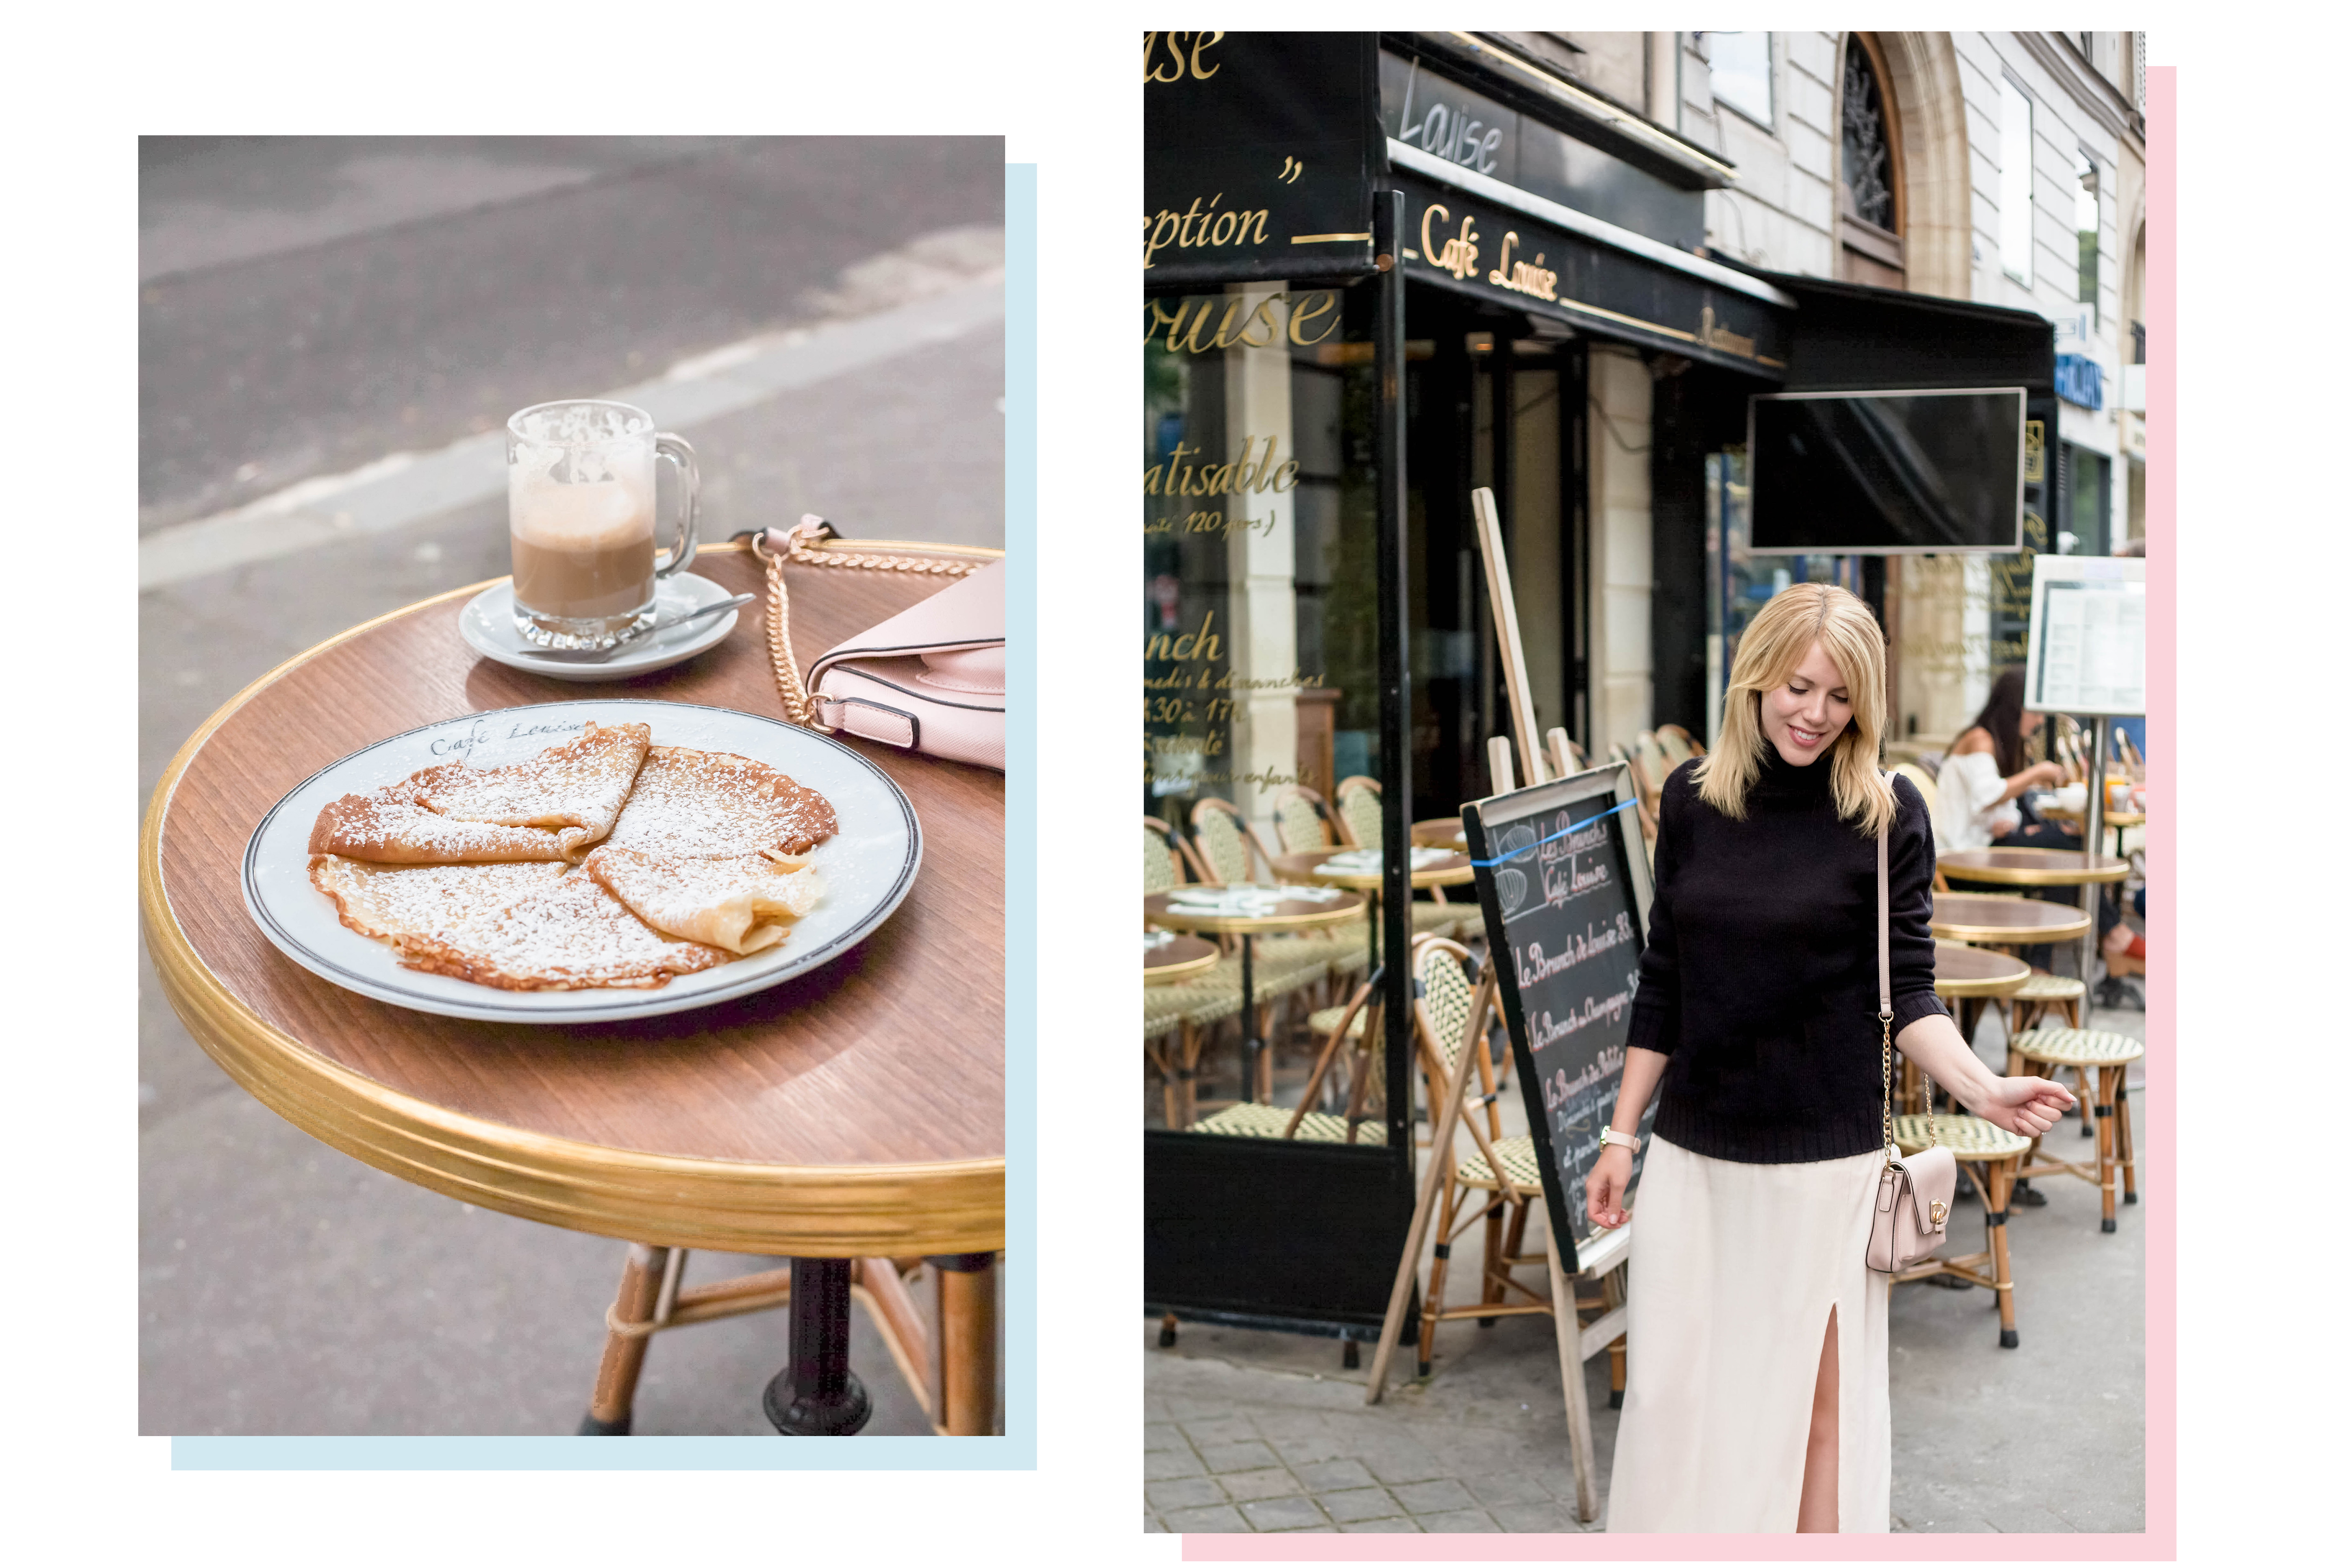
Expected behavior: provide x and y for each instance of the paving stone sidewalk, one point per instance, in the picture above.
(1265, 1432)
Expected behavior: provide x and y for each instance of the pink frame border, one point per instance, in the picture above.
(2158, 1128)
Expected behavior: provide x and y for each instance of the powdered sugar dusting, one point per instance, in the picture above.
(692, 803)
(390, 902)
(389, 825)
(739, 902)
(565, 936)
(578, 785)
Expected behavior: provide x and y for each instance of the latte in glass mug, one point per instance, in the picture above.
(580, 516)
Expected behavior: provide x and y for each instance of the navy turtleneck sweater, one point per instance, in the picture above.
(1760, 977)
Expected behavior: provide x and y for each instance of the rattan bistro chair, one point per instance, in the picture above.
(1992, 1157)
(2109, 1056)
(1472, 1191)
(1360, 814)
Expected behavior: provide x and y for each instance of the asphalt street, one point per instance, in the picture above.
(310, 308)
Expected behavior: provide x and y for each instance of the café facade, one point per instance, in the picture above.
(1381, 270)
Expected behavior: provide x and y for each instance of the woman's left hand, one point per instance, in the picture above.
(2028, 1107)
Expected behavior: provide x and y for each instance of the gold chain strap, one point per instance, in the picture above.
(799, 707)
(1886, 1079)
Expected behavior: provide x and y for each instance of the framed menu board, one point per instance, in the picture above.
(2086, 639)
(1566, 891)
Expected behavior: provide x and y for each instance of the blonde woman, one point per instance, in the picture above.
(1755, 1375)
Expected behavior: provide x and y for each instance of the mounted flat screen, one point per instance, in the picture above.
(1887, 473)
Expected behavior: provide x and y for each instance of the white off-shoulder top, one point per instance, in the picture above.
(1970, 813)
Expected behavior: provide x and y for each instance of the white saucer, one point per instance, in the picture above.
(486, 624)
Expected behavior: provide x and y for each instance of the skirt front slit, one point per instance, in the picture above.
(1734, 1272)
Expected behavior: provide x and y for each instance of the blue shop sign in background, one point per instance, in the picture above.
(2079, 380)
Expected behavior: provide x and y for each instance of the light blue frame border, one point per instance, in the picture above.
(1017, 1450)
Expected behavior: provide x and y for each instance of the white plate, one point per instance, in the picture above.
(486, 624)
(868, 864)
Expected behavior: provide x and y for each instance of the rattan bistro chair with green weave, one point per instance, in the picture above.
(1992, 1157)
(1445, 996)
(2109, 1056)
(1230, 852)
(1360, 813)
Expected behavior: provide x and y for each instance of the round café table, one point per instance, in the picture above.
(1310, 866)
(2118, 820)
(1289, 914)
(842, 1119)
(2024, 868)
(1971, 976)
(1441, 833)
(1177, 960)
(1995, 919)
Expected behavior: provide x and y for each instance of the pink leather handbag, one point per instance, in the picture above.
(929, 679)
(1915, 1195)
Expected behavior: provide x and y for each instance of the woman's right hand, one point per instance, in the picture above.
(1605, 1184)
(2049, 774)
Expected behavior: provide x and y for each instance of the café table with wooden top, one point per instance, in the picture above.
(1287, 914)
(1996, 920)
(2029, 867)
(1441, 833)
(2121, 821)
(1968, 976)
(1178, 959)
(842, 1119)
(1312, 865)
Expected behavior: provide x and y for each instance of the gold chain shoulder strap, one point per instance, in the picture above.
(800, 542)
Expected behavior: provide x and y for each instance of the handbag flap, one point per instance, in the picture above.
(966, 616)
(1932, 1175)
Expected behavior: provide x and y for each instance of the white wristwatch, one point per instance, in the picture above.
(1630, 1144)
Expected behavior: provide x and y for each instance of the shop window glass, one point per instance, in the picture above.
(1260, 639)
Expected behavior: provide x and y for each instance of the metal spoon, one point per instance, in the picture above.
(598, 655)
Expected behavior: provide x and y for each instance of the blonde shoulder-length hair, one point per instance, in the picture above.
(1774, 644)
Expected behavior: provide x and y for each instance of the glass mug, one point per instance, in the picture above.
(580, 516)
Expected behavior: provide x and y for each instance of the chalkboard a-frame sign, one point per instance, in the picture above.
(1565, 887)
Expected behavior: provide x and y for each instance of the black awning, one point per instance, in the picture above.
(1458, 240)
(1848, 337)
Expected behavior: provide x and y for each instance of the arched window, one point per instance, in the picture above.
(1870, 170)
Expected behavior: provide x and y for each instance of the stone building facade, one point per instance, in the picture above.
(2003, 168)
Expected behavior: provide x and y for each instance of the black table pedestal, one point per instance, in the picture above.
(817, 1395)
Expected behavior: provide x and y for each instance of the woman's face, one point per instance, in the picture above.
(2027, 723)
(1805, 713)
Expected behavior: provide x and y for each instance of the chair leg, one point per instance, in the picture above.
(2123, 1156)
(967, 1285)
(1491, 1283)
(611, 1405)
(1434, 1303)
(2086, 1100)
(2000, 1174)
(2105, 1113)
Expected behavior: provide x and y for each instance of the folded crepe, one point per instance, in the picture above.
(393, 903)
(739, 902)
(574, 790)
(710, 803)
(388, 826)
(567, 935)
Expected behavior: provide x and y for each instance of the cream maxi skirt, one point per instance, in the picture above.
(1734, 1271)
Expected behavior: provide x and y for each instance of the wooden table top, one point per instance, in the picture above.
(2031, 867)
(1306, 865)
(856, 1110)
(1999, 919)
(1962, 970)
(1290, 914)
(1178, 959)
(1441, 833)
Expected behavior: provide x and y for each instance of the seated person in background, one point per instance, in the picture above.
(1985, 771)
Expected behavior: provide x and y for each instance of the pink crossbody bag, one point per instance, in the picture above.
(930, 678)
(1914, 1193)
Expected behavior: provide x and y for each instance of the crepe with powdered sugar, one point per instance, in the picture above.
(576, 790)
(741, 902)
(461, 871)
